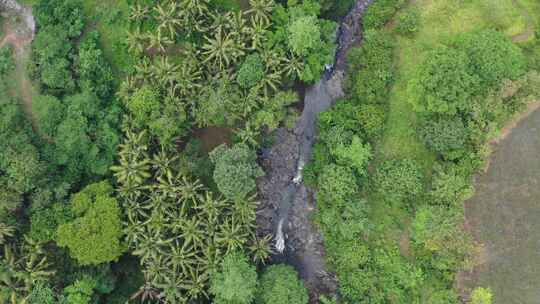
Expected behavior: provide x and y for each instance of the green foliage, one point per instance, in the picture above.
(375, 60)
(450, 76)
(380, 12)
(280, 284)
(372, 119)
(94, 74)
(235, 170)
(304, 35)
(45, 221)
(399, 180)
(409, 22)
(336, 184)
(442, 242)
(236, 282)
(450, 186)
(94, 236)
(49, 113)
(67, 13)
(80, 292)
(444, 83)
(448, 137)
(85, 140)
(493, 56)
(481, 295)
(6, 60)
(356, 155)
(251, 71)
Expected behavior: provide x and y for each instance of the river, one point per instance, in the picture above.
(287, 204)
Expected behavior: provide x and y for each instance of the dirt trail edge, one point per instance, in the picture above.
(18, 29)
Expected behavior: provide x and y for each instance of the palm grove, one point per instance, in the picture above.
(105, 195)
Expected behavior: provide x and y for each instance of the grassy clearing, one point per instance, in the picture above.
(441, 20)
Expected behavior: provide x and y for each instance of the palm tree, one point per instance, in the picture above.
(134, 167)
(248, 135)
(181, 256)
(162, 163)
(136, 41)
(188, 78)
(127, 88)
(190, 191)
(231, 235)
(164, 71)
(5, 232)
(260, 249)
(143, 70)
(192, 13)
(147, 291)
(167, 18)
(293, 66)
(221, 50)
(192, 234)
(257, 33)
(158, 41)
(261, 10)
(244, 211)
(138, 12)
(195, 283)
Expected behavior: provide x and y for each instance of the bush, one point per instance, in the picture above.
(280, 284)
(336, 184)
(251, 71)
(450, 185)
(236, 281)
(446, 136)
(372, 118)
(409, 22)
(6, 60)
(399, 180)
(372, 67)
(481, 295)
(380, 12)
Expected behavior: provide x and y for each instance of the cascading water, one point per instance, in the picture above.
(287, 203)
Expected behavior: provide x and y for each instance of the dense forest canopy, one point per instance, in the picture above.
(108, 195)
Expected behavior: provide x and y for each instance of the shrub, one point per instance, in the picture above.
(251, 71)
(446, 136)
(399, 179)
(336, 184)
(235, 170)
(6, 60)
(372, 67)
(380, 12)
(450, 185)
(356, 155)
(280, 284)
(236, 281)
(372, 118)
(481, 295)
(49, 113)
(409, 22)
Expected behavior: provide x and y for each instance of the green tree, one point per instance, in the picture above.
(251, 71)
(336, 184)
(235, 170)
(447, 136)
(304, 35)
(236, 282)
(280, 284)
(49, 112)
(94, 236)
(443, 83)
(80, 292)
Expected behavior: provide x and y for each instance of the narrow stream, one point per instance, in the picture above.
(287, 204)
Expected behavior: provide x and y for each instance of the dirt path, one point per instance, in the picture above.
(529, 31)
(19, 34)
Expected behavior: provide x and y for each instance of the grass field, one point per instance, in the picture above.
(441, 20)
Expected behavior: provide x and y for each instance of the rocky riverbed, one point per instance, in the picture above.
(284, 198)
